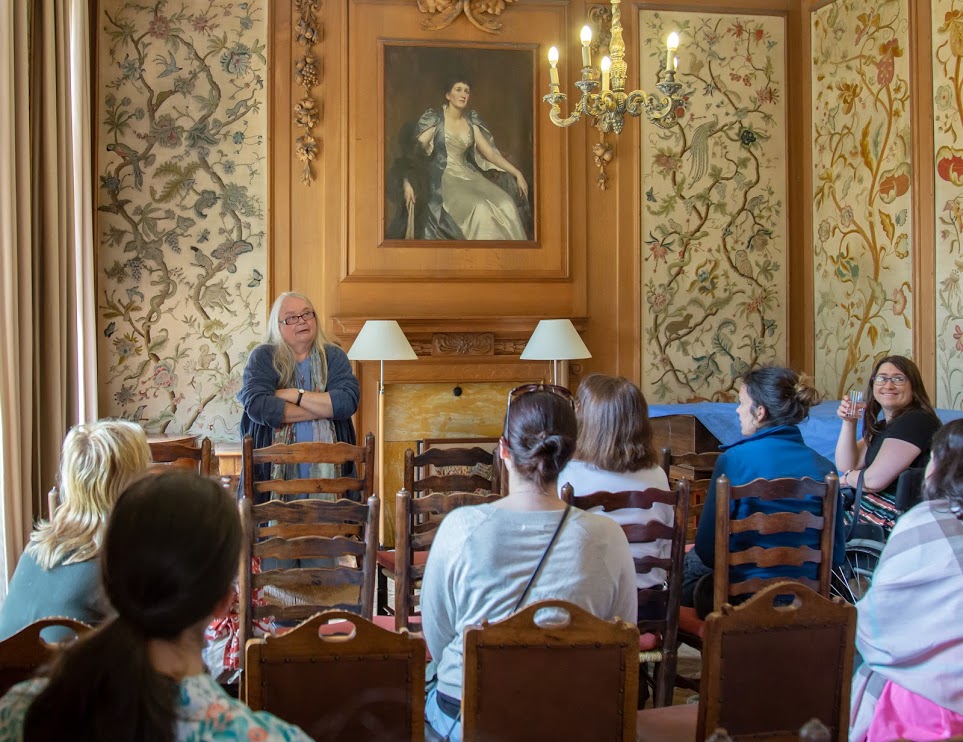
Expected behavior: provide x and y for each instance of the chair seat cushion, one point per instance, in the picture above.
(648, 641)
(668, 724)
(387, 559)
(689, 623)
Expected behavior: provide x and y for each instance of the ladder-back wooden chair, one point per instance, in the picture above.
(182, 456)
(341, 533)
(476, 469)
(697, 468)
(658, 605)
(22, 654)
(417, 522)
(366, 685)
(575, 680)
(793, 493)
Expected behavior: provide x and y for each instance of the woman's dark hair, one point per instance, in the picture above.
(453, 80)
(540, 433)
(946, 478)
(170, 555)
(614, 432)
(784, 394)
(920, 401)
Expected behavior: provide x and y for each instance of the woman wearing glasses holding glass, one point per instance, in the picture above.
(489, 561)
(891, 443)
(298, 387)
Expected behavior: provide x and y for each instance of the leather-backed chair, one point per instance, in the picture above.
(22, 654)
(531, 682)
(361, 684)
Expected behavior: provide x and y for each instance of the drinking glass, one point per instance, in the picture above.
(857, 403)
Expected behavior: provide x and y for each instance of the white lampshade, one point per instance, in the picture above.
(381, 340)
(555, 340)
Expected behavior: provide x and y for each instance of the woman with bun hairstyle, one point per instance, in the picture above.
(169, 559)
(483, 557)
(772, 403)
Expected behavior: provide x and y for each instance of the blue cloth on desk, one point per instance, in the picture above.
(820, 431)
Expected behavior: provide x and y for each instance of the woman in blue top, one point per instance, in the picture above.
(772, 402)
(298, 386)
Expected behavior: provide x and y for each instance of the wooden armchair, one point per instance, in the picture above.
(181, 456)
(531, 682)
(469, 458)
(417, 522)
(341, 532)
(769, 668)
(659, 634)
(727, 497)
(368, 685)
(22, 654)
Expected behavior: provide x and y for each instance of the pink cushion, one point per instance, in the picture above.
(690, 623)
(648, 641)
(668, 724)
(385, 622)
(388, 559)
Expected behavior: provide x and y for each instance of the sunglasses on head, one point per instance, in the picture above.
(520, 391)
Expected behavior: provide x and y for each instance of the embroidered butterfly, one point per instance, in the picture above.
(256, 278)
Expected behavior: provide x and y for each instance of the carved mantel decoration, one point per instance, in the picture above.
(306, 75)
(483, 14)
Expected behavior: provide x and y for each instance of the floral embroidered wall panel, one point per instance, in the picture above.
(947, 30)
(714, 240)
(862, 189)
(181, 159)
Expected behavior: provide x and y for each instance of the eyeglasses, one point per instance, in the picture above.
(519, 391)
(308, 315)
(881, 380)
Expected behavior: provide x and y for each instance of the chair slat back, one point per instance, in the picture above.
(703, 462)
(22, 654)
(373, 680)
(183, 456)
(658, 606)
(768, 524)
(342, 533)
(417, 521)
(517, 659)
(470, 462)
(771, 667)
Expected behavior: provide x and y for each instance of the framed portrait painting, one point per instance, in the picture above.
(459, 144)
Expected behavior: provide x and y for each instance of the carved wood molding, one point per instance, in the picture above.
(307, 112)
(482, 14)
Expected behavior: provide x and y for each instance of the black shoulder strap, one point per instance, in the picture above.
(856, 504)
(541, 562)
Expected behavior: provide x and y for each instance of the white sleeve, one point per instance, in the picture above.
(437, 599)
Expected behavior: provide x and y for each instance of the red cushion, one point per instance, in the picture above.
(648, 641)
(385, 622)
(690, 623)
(668, 724)
(688, 548)
(387, 559)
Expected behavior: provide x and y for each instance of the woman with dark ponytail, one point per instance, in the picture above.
(772, 402)
(168, 561)
(484, 562)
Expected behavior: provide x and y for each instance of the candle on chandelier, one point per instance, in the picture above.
(586, 37)
(672, 43)
(606, 66)
(553, 65)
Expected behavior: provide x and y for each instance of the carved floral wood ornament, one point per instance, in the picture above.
(483, 14)
(306, 75)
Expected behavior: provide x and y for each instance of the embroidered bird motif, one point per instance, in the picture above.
(699, 148)
(133, 158)
(169, 64)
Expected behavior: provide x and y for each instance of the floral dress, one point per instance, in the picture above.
(205, 713)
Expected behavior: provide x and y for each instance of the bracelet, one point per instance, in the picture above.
(298, 401)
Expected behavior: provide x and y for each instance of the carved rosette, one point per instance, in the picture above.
(483, 14)
(307, 75)
(463, 344)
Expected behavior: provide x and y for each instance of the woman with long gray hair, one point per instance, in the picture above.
(298, 386)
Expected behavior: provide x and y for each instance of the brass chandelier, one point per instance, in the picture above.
(611, 103)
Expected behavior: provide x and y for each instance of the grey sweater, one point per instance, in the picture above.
(483, 557)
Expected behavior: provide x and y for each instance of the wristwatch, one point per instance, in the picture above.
(300, 394)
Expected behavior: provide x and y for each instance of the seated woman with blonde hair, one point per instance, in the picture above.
(58, 574)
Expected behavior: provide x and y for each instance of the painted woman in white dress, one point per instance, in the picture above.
(459, 186)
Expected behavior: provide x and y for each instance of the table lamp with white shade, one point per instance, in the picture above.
(381, 340)
(555, 340)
